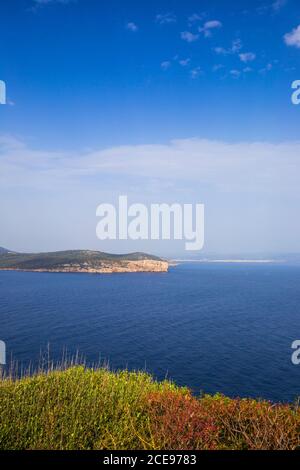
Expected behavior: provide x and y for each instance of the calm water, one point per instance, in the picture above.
(225, 328)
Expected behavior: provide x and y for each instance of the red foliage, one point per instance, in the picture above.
(254, 425)
(179, 422)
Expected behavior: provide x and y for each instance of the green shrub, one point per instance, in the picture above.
(77, 408)
(81, 408)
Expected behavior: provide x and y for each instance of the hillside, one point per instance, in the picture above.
(81, 261)
(82, 408)
(4, 251)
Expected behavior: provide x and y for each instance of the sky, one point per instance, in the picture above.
(163, 101)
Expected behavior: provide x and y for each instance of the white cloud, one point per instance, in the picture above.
(188, 36)
(273, 7)
(132, 26)
(196, 17)
(46, 2)
(278, 4)
(242, 165)
(247, 56)
(293, 38)
(217, 67)
(210, 25)
(267, 68)
(221, 50)
(250, 189)
(196, 72)
(165, 18)
(235, 73)
(184, 62)
(236, 46)
(165, 65)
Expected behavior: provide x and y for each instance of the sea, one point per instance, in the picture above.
(215, 328)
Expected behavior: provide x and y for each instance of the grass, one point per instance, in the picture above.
(85, 408)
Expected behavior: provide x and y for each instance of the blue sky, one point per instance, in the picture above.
(164, 100)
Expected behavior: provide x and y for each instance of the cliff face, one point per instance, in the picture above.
(136, 266)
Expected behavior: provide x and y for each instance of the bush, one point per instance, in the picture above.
(254, 425)
(77, 408)
(179, 421)
(82, 408)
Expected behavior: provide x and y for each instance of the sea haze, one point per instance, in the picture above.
(215, 328)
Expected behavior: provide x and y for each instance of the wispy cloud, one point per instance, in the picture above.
(273, 7)
(184, 62)
(165, 18)
(165, 65)
(293, 38)
(188, 36)
(267, 166)
(247, 57)
(132, 26)
(217, 67)
(196, 72)
(266, 69)
(47, 2)
(235, 73)
(209, 26)
(236, 46)
(196, 18)
(222, 51)
(278, 4)
(60, 190)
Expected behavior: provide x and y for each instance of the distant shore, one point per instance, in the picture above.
(81, 261)
(226, 261)
(118, 267)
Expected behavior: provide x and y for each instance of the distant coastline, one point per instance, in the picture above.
(255, 261)
(81, 261)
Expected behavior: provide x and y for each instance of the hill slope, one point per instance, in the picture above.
(83, 408)
(4, 250)
(81, 261)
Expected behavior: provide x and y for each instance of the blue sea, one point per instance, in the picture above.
(213, 327)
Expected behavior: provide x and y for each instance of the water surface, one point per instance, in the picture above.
(226, 328)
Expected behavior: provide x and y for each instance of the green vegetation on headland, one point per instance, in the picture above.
(82, 408)
(87, 261)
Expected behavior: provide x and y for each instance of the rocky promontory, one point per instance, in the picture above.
(81, 261)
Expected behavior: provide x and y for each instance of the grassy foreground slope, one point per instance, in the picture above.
(82, 408)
